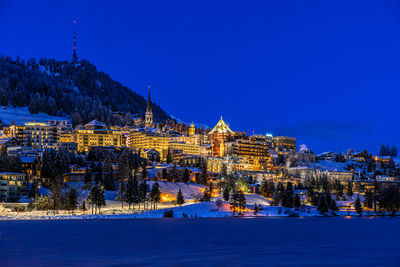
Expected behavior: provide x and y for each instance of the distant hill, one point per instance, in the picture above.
(60, 88)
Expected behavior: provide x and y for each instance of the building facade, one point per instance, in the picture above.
(96, 134)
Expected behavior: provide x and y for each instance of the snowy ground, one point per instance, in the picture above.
(191, 208)
(312, 241)
(21, 115)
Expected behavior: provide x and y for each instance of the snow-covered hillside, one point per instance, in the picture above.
(21, 115)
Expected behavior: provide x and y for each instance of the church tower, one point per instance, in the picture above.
(192, 129)
(149, 112)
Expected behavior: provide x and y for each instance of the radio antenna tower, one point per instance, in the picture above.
(74, 55)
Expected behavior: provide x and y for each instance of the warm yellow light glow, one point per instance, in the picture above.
(165, 197)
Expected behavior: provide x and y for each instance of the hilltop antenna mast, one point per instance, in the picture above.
(74, 55)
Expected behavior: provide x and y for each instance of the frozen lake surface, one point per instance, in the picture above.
(215, 242)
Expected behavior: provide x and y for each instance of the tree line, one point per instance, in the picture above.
(62, 88)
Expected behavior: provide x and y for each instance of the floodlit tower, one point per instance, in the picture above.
(74, 55)
(192, 129)
(149, 112)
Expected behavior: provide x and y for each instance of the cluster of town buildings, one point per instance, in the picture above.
(219, 146)
(261, 156)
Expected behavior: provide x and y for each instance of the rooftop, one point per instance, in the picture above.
(221, 127)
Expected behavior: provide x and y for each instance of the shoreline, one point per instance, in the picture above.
(137, 216)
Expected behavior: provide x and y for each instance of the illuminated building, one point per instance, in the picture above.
(220, 134)
(12, 185)
(214, 164)
(284, 143)
(149, 140)
(150, 154)
(205, 150)
(187, 149)
(31, 166)
(192, 129)
(251, 154)
(161, 142)
(66, 135)
(36, 134)
(195, 139)
(332, 175)
(95, 134)
(9, 142)
(149, 112)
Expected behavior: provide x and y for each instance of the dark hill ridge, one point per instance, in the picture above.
(62, 88)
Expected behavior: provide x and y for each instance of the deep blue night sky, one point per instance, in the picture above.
(326, 72)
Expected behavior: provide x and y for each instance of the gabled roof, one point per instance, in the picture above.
(5, 140)
(28, 159)
(221, 127)
(94, 123)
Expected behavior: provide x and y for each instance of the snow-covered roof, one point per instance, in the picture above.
(326, 153)
(5, 140)
(95, 123)
(221, 127)
(28, 159)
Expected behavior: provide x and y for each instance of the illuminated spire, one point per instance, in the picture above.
(149, 112)
(74, 55)
(148, 108)
(221, 127)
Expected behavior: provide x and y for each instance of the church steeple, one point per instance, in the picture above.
(149, 112)
(148, 101)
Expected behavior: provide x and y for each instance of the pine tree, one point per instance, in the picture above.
(165, 174)
(135, 190)
(101, 199)
(218, 203)
(226, 194)
(179, 198)
(333, 206)
(155, 194)
(267, 188)
(33, 193)
(382, 151)
(393, 151)
(234, 202)
(93, 196)
(143, 189)
(56, 196)
(287, 196)
(121, 194)
(129, 192)
(144, 172)
(358, 206)
(186, 176)
(350, 188)
(83, 205)
(297, 202)
(203, 177)
(96, 198)
(109, 178)
(87, 178)
(72, 199)
(255, 209)
(208, 193)
(168, 213)
(241, 202)
(322, 205)
(169, 156)
(31, 205)
(369, 199)
(98, 178)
